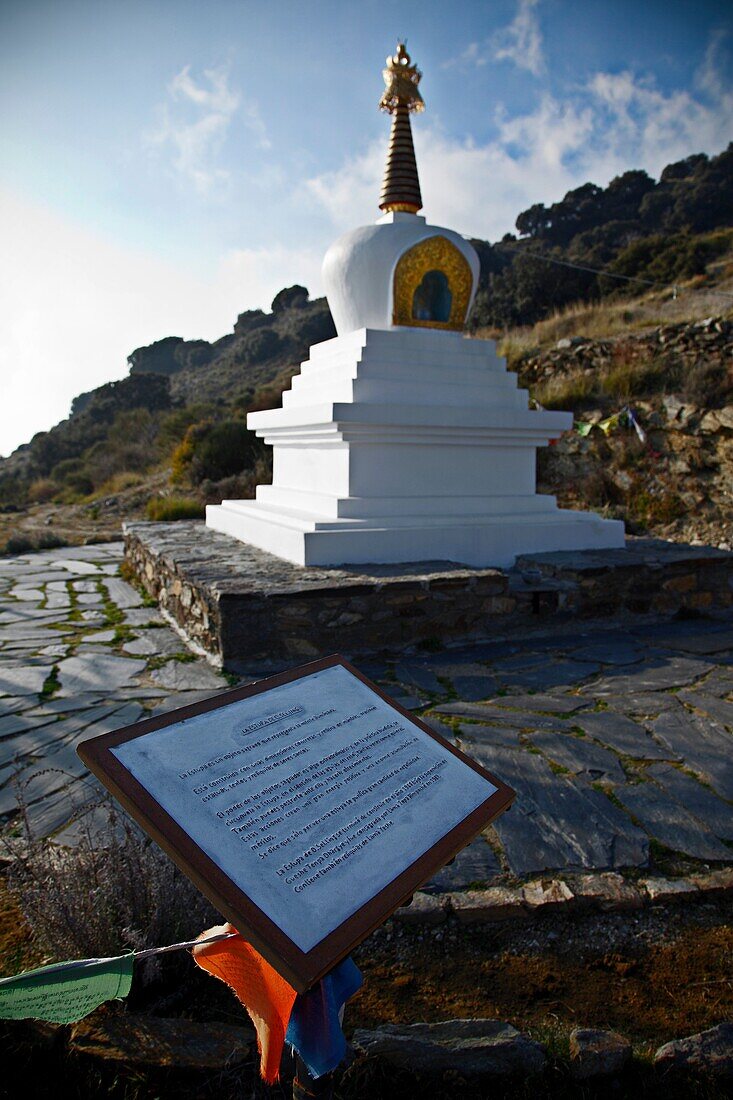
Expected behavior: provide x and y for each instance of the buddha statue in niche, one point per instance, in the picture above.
(433, 298)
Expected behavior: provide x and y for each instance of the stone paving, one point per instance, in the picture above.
(616, 738)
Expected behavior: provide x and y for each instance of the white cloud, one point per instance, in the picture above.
(709, 76)
(75, 305)
(520, 43)
(616, 121)
(194, 122)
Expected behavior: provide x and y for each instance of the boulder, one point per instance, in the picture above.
(595, 1053)
(667, 889)
(714, 882)
(709, 1052)
(547, 894)
(495, 903)
(153, 1041)
(469, 1047)
(608, 891)
(422, 909)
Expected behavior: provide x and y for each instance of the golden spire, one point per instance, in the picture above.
(401, 185)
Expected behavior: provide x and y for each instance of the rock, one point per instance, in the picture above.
(99, 672)
(419, 676)
(715, 882)
(667, 889)
(557, 704)
(696, 799)
(666, 819)
(122, 594)
(622, 734)
(472, 688)
(23, 679)
(157, 641)
(153, 1041)
(558, 822)
(495, 903)
(472, 1047)
(607, 891)
(716, 419)
(545, 894)
(188, 676)
(423, 909)
(708, 1052)
(595, 1053)
(475, 865)
(579, 755)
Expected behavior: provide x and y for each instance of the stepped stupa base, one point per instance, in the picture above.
(256, 613)
(483, 542)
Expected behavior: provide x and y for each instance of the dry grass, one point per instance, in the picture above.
(566, 391)
(167, 509)
(114, 890)
(698, 297)
(118, 483)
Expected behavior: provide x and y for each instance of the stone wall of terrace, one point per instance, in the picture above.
(249, 609)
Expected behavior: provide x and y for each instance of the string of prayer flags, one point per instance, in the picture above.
(314, 1030)
(625, 416)
(268, 998)
(66, 992)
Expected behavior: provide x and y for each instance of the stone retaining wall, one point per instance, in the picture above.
(249, 609)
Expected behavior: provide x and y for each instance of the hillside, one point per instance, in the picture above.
(172, 436)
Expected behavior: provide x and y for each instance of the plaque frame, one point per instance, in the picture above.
(301, 969)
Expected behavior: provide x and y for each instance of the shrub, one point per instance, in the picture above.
(259, 345)
(707, 385)
(648, 508)
(26, 544)
(166, 509)
(289, 298)
(628, 378)
(216, 450)
(67, 466)
(42, 490)
(81, 485)
(114, 890)
(240, 486)
(174, 425)
(125, 479)
(565, 391)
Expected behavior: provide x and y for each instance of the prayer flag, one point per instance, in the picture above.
(637, 426)
(315, 1024)
(65, 992)
(609, 424)
(267, 997)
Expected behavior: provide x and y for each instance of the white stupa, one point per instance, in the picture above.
(401, 440)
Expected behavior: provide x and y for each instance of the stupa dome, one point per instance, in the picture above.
(400, 271)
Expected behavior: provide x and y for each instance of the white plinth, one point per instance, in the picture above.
(407, 445)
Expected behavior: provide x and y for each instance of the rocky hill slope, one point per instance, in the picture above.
(653, 437)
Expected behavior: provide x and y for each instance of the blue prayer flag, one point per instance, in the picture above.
(314, 1030)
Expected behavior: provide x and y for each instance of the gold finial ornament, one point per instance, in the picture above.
(401, 184)
(401, 80)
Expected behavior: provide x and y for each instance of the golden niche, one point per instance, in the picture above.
(432, 285)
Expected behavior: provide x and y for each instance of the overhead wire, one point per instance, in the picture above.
(601, 271)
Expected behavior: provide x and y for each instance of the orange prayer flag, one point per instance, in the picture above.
(267, 997)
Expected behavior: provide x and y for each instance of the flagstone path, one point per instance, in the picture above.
(614, 737)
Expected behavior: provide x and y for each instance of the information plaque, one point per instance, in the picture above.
(307, 807)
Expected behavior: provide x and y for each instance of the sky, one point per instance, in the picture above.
(167, 164)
